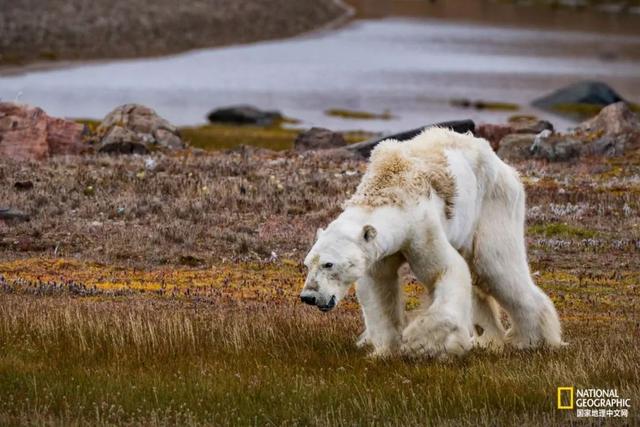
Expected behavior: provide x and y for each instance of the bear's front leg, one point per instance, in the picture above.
(382, 306)
(444, 327)
(437, 335)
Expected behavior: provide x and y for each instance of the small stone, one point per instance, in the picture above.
(516, 147)
(244, 115)
(8, 214)
(150, 163)
(531, 126)
(318, 139)
(23, 185)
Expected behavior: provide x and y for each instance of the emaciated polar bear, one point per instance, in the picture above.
(447, 205)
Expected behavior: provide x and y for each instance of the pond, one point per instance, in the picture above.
(410, 67)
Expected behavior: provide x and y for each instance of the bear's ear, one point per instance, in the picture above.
(319, 231)
(369, 233)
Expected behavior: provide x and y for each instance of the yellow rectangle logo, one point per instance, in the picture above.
(565, 391)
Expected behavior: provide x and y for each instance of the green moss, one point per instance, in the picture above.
(359, 115)
(91, 124)
(556, 229)
(224, 137)
(48, 55)
(484, 105)
(522, 117)
(489, 105)
(582, 111)
(11, 58)
(577, 110)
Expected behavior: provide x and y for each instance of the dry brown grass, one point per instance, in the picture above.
(192, 208)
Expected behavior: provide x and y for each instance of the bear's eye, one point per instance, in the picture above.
(327, 265)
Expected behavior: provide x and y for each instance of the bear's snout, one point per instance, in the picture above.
(324, 303)
(308, 299)
(328, 306)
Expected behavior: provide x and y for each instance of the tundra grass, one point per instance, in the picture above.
(179, 358)
(168, 296)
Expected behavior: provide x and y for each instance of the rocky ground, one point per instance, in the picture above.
(36, 31)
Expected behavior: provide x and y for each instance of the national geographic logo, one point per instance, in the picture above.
(593, 402)
(565, 397)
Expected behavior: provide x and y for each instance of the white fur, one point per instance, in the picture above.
(484, 236)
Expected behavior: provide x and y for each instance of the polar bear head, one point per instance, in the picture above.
(337, 259)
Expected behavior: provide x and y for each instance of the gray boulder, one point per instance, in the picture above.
(589, 93)
(318, 139)
(244, 115)
(530, 125)
(136, 129)
(556, 147)
(612, 120)
(614, 130)
(119, 140)
(494, 133)
(516, 147)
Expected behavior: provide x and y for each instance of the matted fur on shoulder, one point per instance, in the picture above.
(402, 172)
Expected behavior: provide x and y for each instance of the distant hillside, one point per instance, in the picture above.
(35, 30)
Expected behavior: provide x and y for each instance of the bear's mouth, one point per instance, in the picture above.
(330, 305)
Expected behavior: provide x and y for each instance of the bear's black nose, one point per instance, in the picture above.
(308, 299)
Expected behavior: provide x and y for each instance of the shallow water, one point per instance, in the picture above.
(412, 68)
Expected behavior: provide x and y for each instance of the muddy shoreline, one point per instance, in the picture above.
(59, 34)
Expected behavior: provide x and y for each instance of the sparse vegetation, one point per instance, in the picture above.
(484, 105)
(559, 229)
(35, 31)
(224, 137)
(358, 115)
(181, 308)
(585, 111)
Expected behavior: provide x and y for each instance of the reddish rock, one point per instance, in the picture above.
(28, 133)
(522, 125)
(65, 136)
(23, 132)
(318, 139)
(493, 133)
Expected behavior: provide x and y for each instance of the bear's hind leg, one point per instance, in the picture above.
(499, 259)
(486, 317)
